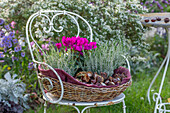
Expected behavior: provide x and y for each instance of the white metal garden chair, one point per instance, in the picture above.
(47, 96)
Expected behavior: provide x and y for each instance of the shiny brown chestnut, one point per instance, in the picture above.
(146, 20)
(158, 19)
(166, 20)
(153, 20)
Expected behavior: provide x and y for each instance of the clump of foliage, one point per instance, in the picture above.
(12, 98)
(105, 58)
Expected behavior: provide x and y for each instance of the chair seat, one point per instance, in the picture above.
(116, 100)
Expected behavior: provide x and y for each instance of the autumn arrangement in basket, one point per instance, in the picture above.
(80, 62)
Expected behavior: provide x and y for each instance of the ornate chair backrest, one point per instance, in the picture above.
(51, 27)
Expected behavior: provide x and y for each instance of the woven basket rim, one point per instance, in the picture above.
(114, 86)
(49, 72)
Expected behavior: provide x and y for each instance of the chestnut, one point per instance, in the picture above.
(111, 84)
(153, 20)
(85, 78)
(80, 74)
(107, 81)
(166, 20)
(147, 20)
(103, 84)
(158, 19)
(89, 73)
(115, 80)
(104, 75)
(110, 79)
(99, 79)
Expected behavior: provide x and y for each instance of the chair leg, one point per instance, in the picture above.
(124, 107)
(78, 111)
(45, 106)
(88, 110)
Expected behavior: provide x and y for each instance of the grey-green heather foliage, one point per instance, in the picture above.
(59, 59)
(105, 58)
(12, 90)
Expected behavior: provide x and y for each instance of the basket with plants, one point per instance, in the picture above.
(89, 71)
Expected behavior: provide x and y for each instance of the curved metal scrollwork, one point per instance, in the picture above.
(159, 107)
(50, 87)
(158, 97)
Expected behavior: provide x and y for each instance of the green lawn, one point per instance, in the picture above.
(136, 97)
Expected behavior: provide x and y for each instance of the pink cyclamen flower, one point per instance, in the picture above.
(64, 41)
(80, 41)
(13, 24)
(78, 48)
(87, 47)
(58, 45)
(93, 44)
(86, 41)
(73, 40)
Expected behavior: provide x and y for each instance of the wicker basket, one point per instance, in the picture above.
(83, 93)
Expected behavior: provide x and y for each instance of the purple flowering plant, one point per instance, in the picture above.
(76, 43)
(77, 46)
(156, 5)
(11, 50)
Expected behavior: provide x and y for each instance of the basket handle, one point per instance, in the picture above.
(127, 61)
(41, 86)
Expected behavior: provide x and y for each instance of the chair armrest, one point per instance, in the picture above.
(41, 86)
(127, 61)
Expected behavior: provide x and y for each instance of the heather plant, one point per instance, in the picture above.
(105, 58)
(12, 98)
(156, 6)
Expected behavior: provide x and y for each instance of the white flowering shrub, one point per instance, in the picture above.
(113, 20)
(12, 98)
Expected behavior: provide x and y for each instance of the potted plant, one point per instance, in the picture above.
(85, 68)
